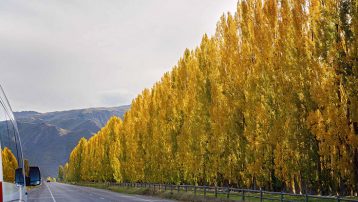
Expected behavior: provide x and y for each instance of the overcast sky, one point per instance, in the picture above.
(68, 54)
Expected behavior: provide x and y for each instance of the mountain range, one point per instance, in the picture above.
(48, 138)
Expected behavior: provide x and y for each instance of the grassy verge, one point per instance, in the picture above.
(199, 196)
(180, 196)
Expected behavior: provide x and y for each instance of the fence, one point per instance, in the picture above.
(237, 194)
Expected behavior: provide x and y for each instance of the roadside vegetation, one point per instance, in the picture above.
(201, 195)
(180, 196)
(270, 101)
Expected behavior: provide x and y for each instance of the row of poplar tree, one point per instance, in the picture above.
(269, 101)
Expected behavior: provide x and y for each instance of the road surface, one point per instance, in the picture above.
(58, 192)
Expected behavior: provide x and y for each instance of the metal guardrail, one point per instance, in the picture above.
(236, 193)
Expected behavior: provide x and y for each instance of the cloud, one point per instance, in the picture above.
(57, 55)
(113, 97)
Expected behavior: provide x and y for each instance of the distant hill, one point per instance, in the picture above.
(48, 138)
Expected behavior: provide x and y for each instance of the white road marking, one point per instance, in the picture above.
(50, 193)
(42, 198)
(102, 193)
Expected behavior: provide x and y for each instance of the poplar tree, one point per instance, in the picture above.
(269, 101)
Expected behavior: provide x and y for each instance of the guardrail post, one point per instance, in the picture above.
(243, 195)
(186, 188)
(171, 189)
(195, 190)
(228, 192)
(260, 195)
(306, 198)
(338, 199)
(281, 199)
(204, 190)
(216, 191)
(165, 187)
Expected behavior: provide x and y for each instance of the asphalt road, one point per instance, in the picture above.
(58, 192)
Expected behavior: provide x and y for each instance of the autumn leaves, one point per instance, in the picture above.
(269, 101)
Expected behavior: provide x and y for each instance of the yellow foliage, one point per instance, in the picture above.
(269, 101)
(9, 165)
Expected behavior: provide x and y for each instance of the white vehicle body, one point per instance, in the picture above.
(11, 155)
